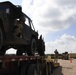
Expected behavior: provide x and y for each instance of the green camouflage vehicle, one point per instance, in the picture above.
(23, 39)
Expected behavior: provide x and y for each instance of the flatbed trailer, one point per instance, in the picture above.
(25, 65)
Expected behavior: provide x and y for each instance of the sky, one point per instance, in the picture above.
(55, 20)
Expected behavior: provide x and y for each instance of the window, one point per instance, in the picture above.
(32, 26)
(27, 21)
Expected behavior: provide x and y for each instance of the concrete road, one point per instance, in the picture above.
(67, 67)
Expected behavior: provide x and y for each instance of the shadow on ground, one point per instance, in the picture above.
(57, 71)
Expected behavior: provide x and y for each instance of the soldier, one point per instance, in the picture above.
(19, 27)
(56, 55)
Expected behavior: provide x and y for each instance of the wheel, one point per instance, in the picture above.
(1, 38)
(3, 50)
(32, 48)
(32, 70)
(19, 53)
(40, 69)
(23, 70)
(50, 68)
(41, 47)
(41, 52)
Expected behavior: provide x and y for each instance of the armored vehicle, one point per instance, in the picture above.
(65, 56)
(16, 30)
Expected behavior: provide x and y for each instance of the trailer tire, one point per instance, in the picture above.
(23, 70)
(40, 69)
(50, 68)
(32, 48)
(32, 70)
(1, 38)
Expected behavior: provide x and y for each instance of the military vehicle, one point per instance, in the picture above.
(16, 30)
(65, 56)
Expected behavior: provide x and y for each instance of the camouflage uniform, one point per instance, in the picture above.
(56, 55)
(19, 28)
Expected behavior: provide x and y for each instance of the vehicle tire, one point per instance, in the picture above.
(41, 48)
(3, 50)
(1, 38)
(32, 48)
(32, 70)
(19, 53)
(23, 70)
(40, 69)
(41, 52)
(50, 68)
